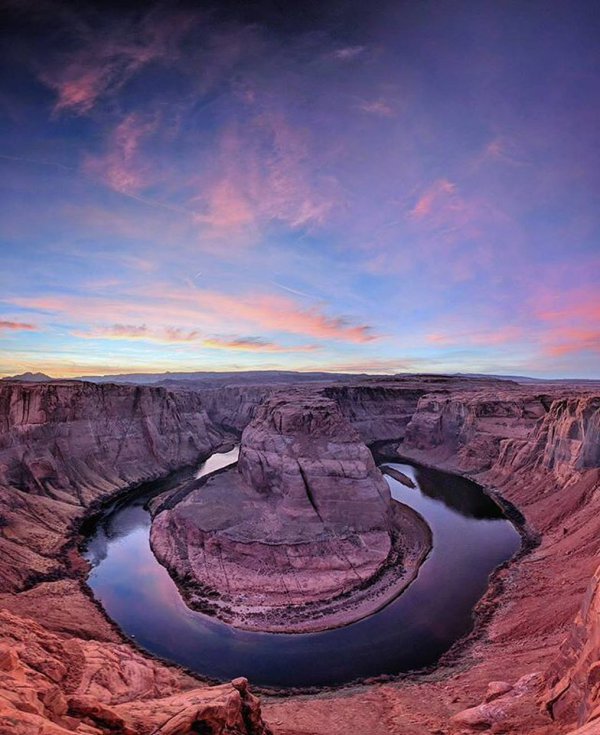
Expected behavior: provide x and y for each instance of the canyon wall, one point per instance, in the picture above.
(232, 407)
(541, 451)
(377, 411)
(384, 409)
(573, 681)
(467, 429)
(66, 446)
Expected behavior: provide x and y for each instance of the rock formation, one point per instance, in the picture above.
(65, 447)
(573, 681)
(53, 686)
(293, 539)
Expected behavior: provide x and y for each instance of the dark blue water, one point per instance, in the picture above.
(471, 537)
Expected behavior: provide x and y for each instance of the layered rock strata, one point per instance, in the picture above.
(529, 667)
(302, 536)
(66, 446)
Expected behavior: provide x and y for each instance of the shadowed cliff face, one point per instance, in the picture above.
(66, 446)
(469, 428)
(569, 436)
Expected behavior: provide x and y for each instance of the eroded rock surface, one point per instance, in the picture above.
(54, 686)
(573, 681)
(66, 446)
(65, 668)
(292, 539)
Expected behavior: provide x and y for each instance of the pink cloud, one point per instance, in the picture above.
(581, 306)
(123, 167)
(440, 195)
(191, 309)
(77, 89)
(106, 57)
(254, 344)
(264, 172)
(16, 326)
(569, 321)
(569, 341)
(501, 149)
(142, 332)
(284, 315)
(228, 208)
(477, 337)
(452, 235)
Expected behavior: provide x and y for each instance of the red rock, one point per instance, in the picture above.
(64, 447)
(307, 519)
(497, 689)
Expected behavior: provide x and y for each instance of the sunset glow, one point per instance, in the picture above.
(378, 187)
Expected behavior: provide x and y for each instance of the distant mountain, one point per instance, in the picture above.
(528, 379)
(30, 378)
(218, 378)
(213, 379)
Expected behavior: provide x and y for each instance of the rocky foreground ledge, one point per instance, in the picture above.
(302, 536)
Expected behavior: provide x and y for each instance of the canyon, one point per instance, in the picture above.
(67, 448)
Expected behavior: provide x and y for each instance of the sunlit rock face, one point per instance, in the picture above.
(305, 518)
(573, 681)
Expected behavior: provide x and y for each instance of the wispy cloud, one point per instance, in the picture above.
(347, 53)
(140, 332)
(281, 314)
(440, 196)
(16, 326)
(573, 340)
(501, 335)
(177, 335)
(569, 322)
(254, 344)
(107, 52)
(264, 174)
(194, 309)
(379, 107)
(122, 167)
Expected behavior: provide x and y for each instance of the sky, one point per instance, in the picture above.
(346, 186)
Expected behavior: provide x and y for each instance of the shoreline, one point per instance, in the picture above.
(412, 543)
(481, 614)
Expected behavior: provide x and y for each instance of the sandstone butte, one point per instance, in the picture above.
(304, 536)
(531, 665)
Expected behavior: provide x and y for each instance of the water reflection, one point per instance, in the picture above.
(471, 537)
(457, 493)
